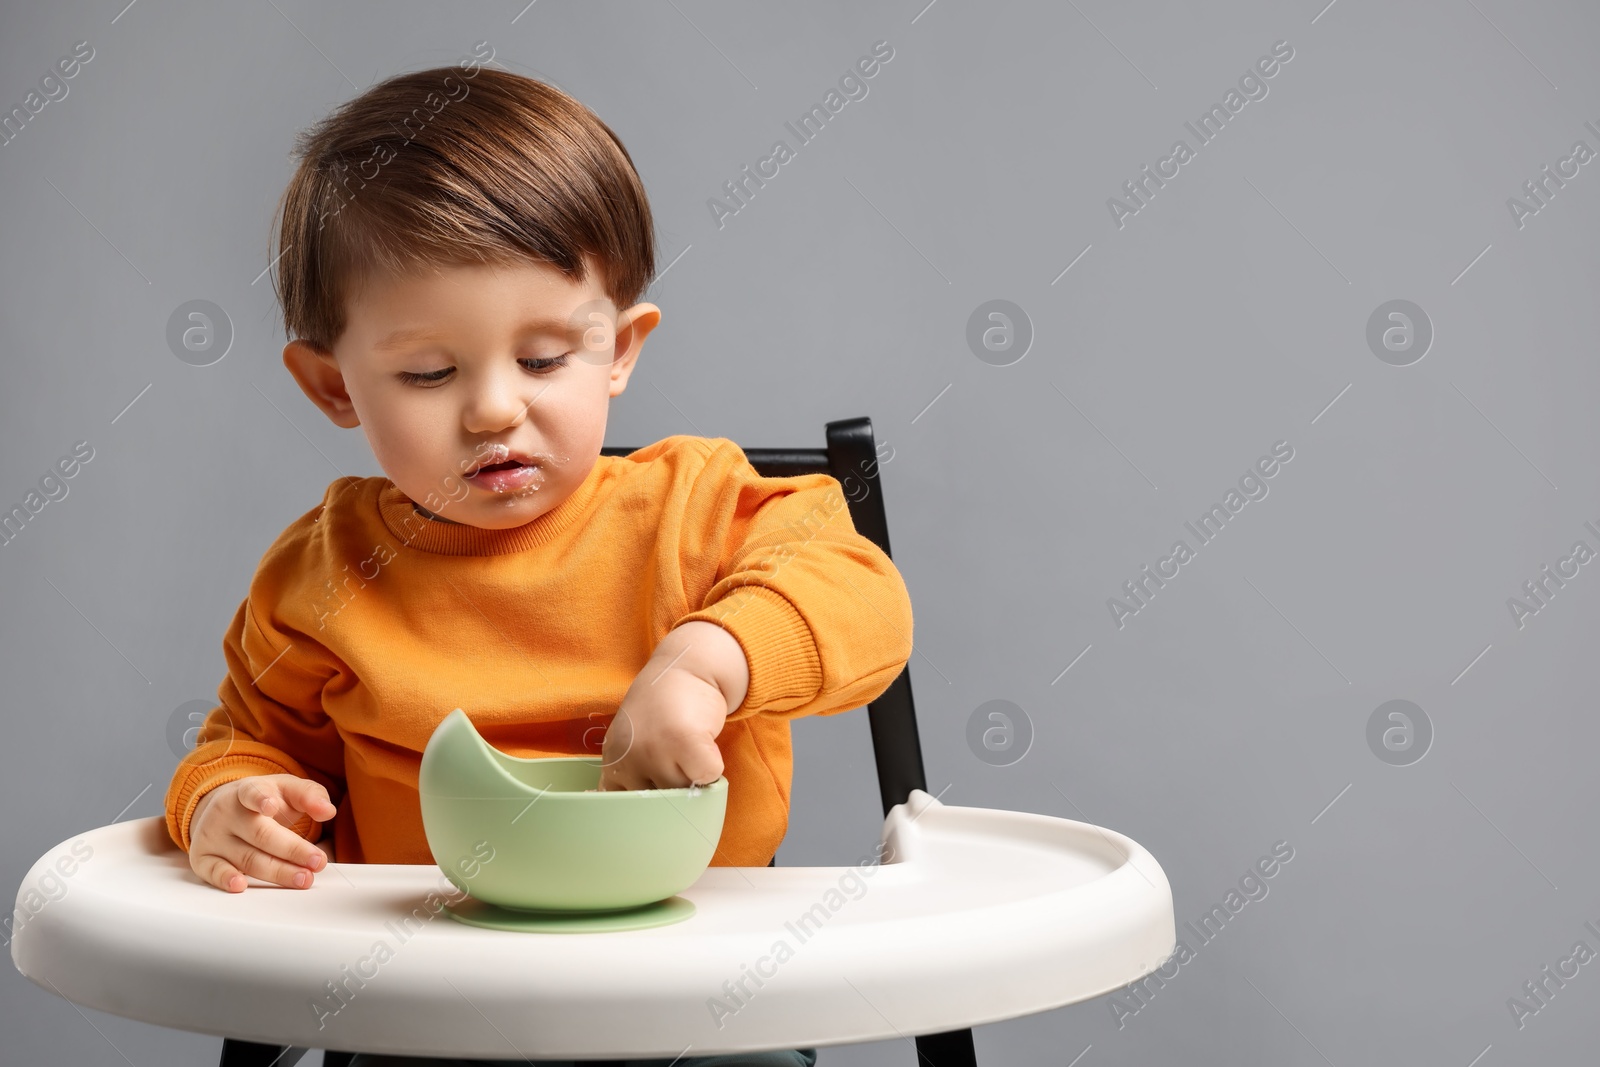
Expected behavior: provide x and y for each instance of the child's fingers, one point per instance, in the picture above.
(226, 865)
(613, 780)
(255, 828)
(264, 848)
(308, 796)
(282, 843)
(700, 767)
(219, 872)
(284, 796)
(261, 795)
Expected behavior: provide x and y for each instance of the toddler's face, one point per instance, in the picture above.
(510, 368)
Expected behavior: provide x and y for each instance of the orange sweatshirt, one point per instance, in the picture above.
(367, 623)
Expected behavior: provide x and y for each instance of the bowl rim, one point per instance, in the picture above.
(498, 754)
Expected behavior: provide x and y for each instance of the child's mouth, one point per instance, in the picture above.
(506, 477)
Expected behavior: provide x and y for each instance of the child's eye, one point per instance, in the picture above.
(538, 366)
(413, 378)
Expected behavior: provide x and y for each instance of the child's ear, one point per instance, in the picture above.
(633, 326)
(321, 379)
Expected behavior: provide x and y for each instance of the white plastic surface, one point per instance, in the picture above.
(974, 915)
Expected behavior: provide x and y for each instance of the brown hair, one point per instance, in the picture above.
(455, 166)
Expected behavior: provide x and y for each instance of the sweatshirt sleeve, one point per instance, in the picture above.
(822, 614)
(269, 720)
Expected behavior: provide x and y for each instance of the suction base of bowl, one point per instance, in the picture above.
(475, 912)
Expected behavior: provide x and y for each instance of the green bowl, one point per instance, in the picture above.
(522, 833)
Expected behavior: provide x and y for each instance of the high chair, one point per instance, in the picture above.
(974, 916)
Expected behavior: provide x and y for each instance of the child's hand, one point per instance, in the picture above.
(242, 827)
(664, 734)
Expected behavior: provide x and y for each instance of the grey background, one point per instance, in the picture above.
(1228, 314)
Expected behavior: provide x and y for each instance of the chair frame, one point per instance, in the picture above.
(851, 458)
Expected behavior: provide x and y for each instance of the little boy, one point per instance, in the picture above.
(462, 254)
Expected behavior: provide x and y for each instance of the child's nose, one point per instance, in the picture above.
(496, 404)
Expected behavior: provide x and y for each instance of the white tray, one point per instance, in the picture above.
(975, 915)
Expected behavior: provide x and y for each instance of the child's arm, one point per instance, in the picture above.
(821, 613)
(269, 722)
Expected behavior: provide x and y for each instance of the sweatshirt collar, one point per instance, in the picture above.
(416, 530)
